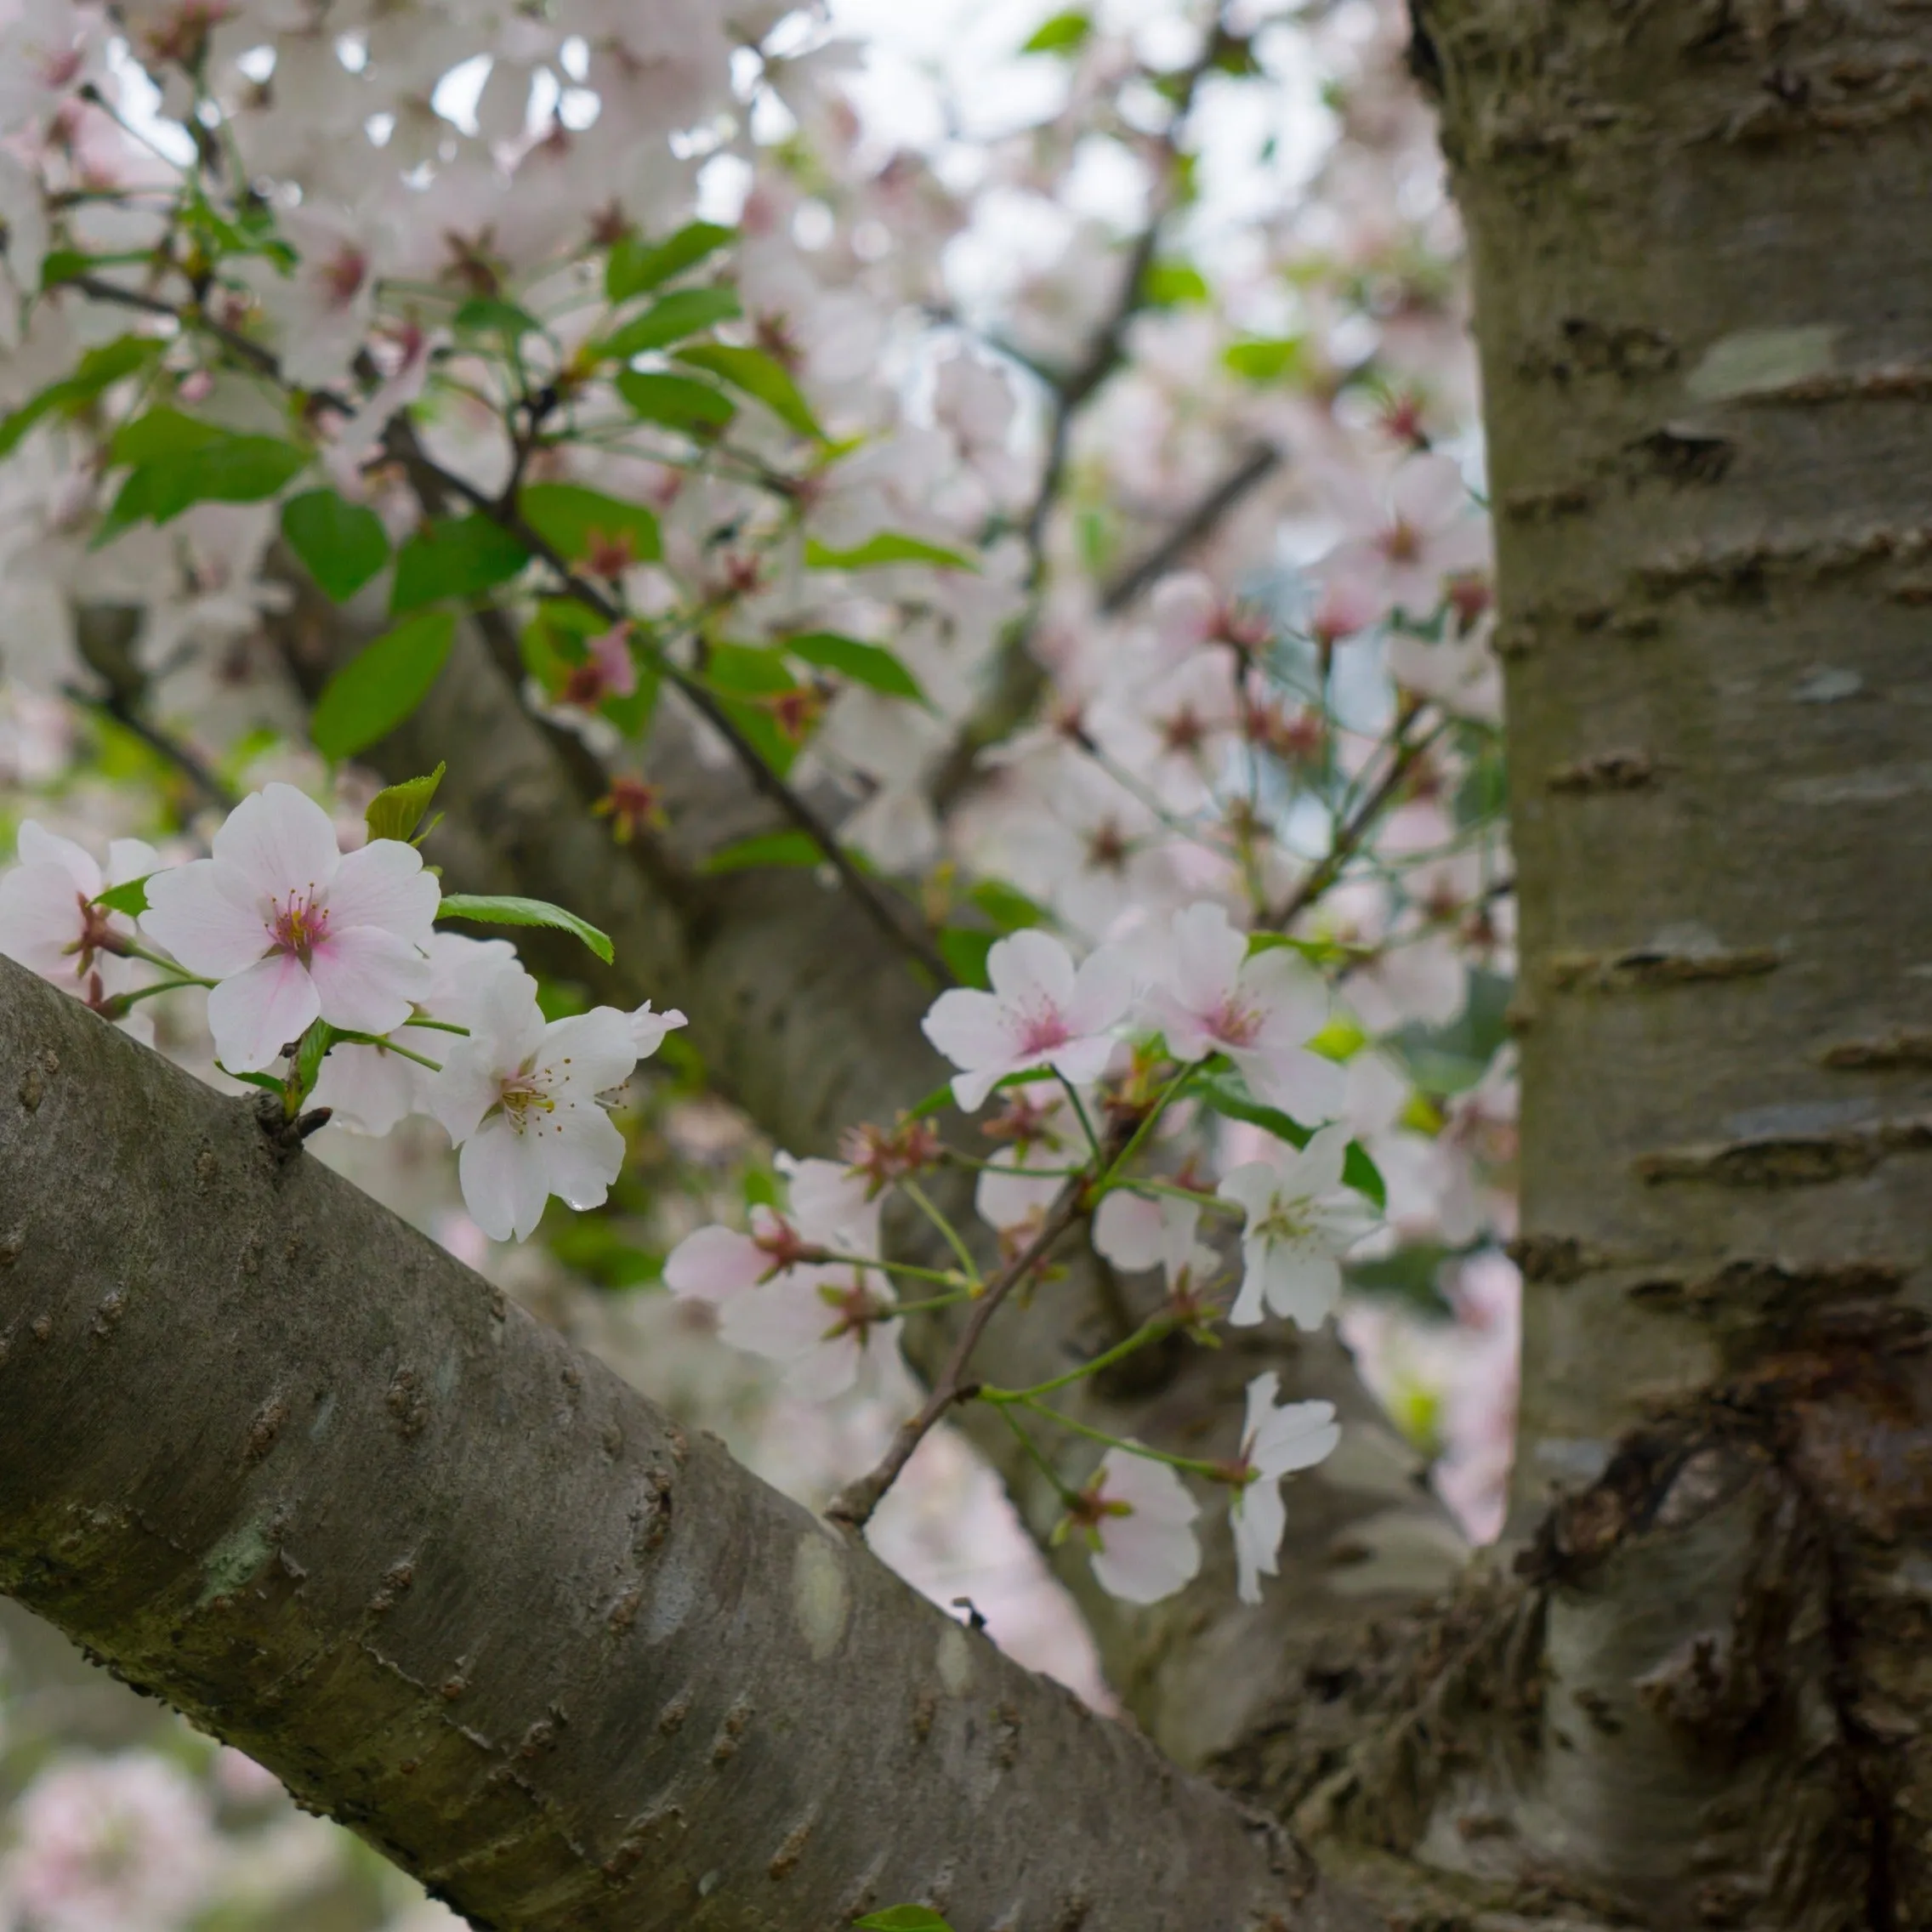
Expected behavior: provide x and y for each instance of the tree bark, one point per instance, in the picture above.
(1702, 330)
(275, 1457)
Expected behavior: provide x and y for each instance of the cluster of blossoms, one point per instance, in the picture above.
(1121, 1038)
(330, 961)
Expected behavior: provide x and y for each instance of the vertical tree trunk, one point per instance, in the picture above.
(1703, 296)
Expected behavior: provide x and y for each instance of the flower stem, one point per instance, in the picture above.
(1153, 1331)
(1164, 1099)
(921, 1199)
(1194, 1465)
(440, 1025)
(131, 952)
(389, 1047)
(1080, 1112)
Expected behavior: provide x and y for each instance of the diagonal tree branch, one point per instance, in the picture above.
(275, 1457)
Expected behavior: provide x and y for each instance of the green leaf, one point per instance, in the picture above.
(1008, 908)
(679, 402)
(888, 546)
(1225, 1093)
(869, 664)
(396, 810)
(573, 520)
(97, 370)
(456, 557)
(1271, 359)
(903, 1919)
(372, 694)
(636, 266)
(747, 667)
(484, 314)
(209, 466)
(769, 848)
(1064, 33)
(1172, 285)
(763, 379)
(163, 433)
(964, 949)
(510, 911)
(342, 544)
(684, 312)
(130, 896)
(309, 1053)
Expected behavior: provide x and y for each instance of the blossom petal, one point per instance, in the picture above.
(714, 1264)
(465, 1090)
(202, 914)
(1031, 968)
(648, 1029)
(582, 1153)
(1258, 1520)
(589, 1052)
(1103, 990)
(40, 919)
(280, 841)
(384, 884)
(38, 846)
(367, 1090)
(1083, 1062)
(255, 1015)
(970, 1028)
(130, 859)
(1206, 955)
(368, 979)
(502, 1181)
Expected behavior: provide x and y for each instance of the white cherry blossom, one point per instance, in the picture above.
(825, 1322)
(520, 1098)
(1210, 996)
(1276, 1442)
(1299, 1227)
(48, 922)
(829, 1210)
(294, 930)
(1137, 1518)
(1041, 1012)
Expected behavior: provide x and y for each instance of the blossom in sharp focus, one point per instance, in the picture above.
(1137, 1518)
(1299, 1227)
(294, 930)
(47, 919)
(520, 1097)
(107, 1844)
(1209, 996)
(1275, 1443)
(1041, 1012)
(368, 1088)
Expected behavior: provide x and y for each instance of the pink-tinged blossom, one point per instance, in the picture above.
(369, 1089)
(521, 1097)
(1039, 1130)
(824, 1322)
(1276, 1442)
(1137, 1519)
(831, 1211)
(1426, 531)
(1041, 1012)
(1299, 1227)
(1138, 1231)
(107, 1844)
(294, 930)
(47, 919)
(1210, 996)
(323, 310)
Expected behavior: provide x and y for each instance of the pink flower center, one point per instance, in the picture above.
(1040, 1029)
(300, 925)
(1235, 1025)
(1401, 542)
(343, 274)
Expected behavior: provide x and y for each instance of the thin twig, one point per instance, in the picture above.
(1254, 468)
(854, 1504)
(1349, 837)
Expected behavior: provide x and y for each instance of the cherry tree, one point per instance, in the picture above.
(565, 567)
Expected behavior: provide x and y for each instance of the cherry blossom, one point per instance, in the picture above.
(1275, 1443)
(832, 1209)
(1136, 1517)
(1424, 532)
(294, 930)
(1041, 1012)
(1138, 1231)
(825, 1322)
(519, 1099)
(49, 921)
(1298, 1230)
(1210, 995)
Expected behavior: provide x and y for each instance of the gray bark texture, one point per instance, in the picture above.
(275, 1457)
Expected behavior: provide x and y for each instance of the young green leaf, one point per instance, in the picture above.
(902, 1918)
(458, 557)
(679, 402)
(888, 546)
(1063, 33)
(964, 949)
(493, 911)
(579, 523)
(97, 370)
(396, 810)
(1008, 908)
(130, 896)
(342, 544)
(869, 664)
(769, 848)
(684, 312)
(309, 1052)
(761, 377)
(228, 469)
(484, 315)
(372, 694)
(163, 433)
(636, 266)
